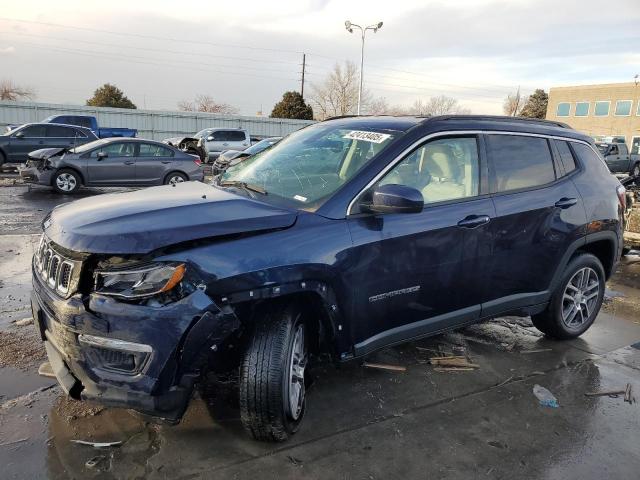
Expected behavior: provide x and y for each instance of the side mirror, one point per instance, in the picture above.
(19, 135)
(209, 138)
(102, 155)
(394, 198)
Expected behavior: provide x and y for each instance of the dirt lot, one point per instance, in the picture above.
(361, 422)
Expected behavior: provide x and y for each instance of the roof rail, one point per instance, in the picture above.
(500, 118)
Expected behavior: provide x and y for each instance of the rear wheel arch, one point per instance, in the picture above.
(603, 249)
(3, 157)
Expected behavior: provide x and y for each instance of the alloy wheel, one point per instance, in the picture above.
(175, 179)
(580, 298)
(66, 182)
(297, 365)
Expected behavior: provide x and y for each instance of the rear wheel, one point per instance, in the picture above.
(635, 172)
(272, 375)
(576, 301)
(174, 178)
(66, 181)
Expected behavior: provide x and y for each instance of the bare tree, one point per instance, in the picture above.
(380, 106)
(205, 103)
(13, 92)
(440, 105)
(338, 93)
(513, 104)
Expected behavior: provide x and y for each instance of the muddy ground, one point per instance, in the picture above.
(361, 422)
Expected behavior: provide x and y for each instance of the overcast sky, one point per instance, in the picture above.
(247, 53)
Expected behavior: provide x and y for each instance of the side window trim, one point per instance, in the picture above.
(480, 133)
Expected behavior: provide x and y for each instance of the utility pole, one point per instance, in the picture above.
(304, 66)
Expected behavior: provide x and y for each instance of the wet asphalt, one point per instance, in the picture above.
(360, 422)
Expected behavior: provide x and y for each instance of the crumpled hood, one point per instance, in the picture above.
(45, 153)
(145, 220)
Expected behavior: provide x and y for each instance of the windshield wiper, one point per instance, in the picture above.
(249, 187)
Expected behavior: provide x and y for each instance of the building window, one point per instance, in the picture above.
(582, 109)
(602, 108)
(623, 108)
(563, 109)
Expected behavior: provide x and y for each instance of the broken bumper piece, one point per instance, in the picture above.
(123, 355)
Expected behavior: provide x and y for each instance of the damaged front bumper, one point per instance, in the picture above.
(123, 355)
(33, 174)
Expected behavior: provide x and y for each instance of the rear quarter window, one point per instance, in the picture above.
(566, 157)
(519, 162)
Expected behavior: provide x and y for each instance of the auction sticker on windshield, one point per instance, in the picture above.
(373, 137)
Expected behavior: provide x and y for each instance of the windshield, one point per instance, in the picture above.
(201, 133)
(309, 165)
(88, 146)
(261, 145)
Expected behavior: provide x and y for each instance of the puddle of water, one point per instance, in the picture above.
(14, 382)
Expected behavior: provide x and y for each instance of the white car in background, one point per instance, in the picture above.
(216, 140)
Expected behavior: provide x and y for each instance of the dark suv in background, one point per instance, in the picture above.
(347, 236)
(16, 144)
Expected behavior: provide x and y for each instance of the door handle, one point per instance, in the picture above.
(129, 162)
(474, 221)
(566, 202)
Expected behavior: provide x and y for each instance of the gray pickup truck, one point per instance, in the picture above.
(618, 159)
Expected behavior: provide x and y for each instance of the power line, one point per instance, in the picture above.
(145, 61)
(179, 52)
(151, 37)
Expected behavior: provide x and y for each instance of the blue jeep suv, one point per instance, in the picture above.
(349, 235)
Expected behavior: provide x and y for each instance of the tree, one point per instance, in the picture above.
(536, 106)
(440, 105)
(110, 96)
(292, 105)
(338, 94)
(206, 103)
(11, 91)
(513, 104)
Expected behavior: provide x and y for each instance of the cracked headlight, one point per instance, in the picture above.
(141, 282)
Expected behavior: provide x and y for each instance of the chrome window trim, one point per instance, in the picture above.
(447, 133)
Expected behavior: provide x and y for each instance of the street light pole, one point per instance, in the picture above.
(350, 26)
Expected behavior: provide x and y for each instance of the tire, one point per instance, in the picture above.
(174, 178)
(66, 181)
(635, 172)
(277, 352)
(563, 318)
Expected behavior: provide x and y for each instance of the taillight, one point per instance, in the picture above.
(197, 161)
(622, 197)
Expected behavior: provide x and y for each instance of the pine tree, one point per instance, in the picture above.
(110, 96)
(292, 105)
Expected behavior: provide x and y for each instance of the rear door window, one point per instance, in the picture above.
(124, 149)
(152, 150)
(228, 136)
(566, 157)
(519, 162)
(60, 132)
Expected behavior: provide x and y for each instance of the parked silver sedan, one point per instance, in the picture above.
(111, 162)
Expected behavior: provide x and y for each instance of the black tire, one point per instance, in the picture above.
(170, 179)
(265, 408)
(66, 181)
(551, 322)
(635, 172)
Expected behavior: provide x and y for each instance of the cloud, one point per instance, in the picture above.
(7, 50)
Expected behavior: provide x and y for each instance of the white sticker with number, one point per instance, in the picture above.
(373, 137)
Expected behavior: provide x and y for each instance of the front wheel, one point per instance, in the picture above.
(576, 301)
(66, 181)
(635, 172)
(272, 376)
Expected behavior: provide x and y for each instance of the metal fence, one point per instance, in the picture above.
(152, 124)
